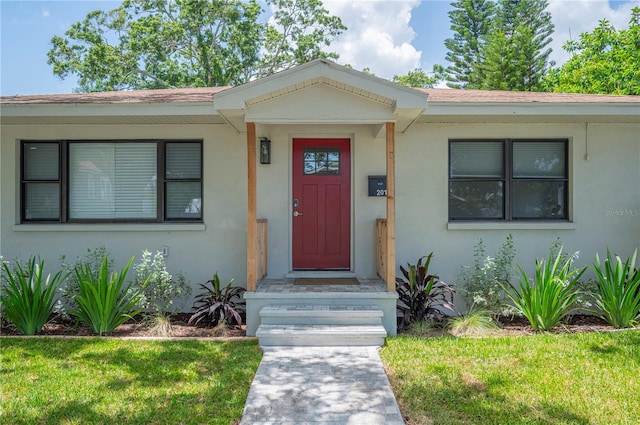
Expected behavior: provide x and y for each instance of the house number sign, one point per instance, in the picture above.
(377, 185)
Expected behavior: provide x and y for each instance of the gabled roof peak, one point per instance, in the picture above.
(325, 72)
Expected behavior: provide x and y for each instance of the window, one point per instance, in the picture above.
(508, 180)
(321, 161)
(111, 181)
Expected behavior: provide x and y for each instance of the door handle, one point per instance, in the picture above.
(296, 213)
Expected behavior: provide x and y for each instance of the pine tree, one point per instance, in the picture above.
(501, 45)
(471, 23)
(516, 55)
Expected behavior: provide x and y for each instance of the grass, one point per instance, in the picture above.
(110, 381)
(585, 378)
(475, 323)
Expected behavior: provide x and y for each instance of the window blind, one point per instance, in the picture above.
(538, 159)
(477, 159)
(112, 180)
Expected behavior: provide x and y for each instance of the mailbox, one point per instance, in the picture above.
(377, 185)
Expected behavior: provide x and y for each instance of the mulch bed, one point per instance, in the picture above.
(577, 323)
(136, 327)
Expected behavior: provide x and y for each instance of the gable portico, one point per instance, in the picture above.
(317, 100)
(323, 102)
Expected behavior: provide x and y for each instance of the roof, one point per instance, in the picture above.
(187, 95)
(499, 96)
(206, 94)
(305, 95)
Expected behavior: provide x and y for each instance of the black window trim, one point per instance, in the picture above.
(508, 179)
(63, 181)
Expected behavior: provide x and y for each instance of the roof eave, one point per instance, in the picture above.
(567, 109)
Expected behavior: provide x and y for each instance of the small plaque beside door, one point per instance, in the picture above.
(377, 185)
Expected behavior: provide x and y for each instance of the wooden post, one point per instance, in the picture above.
(390, 266)
(252, 224)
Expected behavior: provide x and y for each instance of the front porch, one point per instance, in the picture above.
(334, 311)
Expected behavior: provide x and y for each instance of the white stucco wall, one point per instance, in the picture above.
(604, 198)
(196, 249)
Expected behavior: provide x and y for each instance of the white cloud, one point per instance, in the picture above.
(45, 13)
(379, 36)
(572, 18)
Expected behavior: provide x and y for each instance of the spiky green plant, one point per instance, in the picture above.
(474, 323)
(27, 297)
(104, 302)
(552, 295)
(618, 292)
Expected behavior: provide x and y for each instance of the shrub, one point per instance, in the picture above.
(481, 284)
(159, 289)
(68, 291)
(217, 304)
(27, 297)
(552, 296)
(618, 292)
(103, 302)
(422, 329)
(474, 323)
(421, 295)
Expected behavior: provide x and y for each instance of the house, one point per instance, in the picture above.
(318, 171)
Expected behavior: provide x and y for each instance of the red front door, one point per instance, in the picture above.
(321, 204)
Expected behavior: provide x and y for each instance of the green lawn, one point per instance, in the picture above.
(589, 378)
(109, 381)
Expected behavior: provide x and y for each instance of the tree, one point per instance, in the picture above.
(499, 45)
(516, 52)
(419, 78)
(471, 24)
(303, 28)
(147, 44)
(603, 61)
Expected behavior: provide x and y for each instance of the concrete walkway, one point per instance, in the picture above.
(321, 385)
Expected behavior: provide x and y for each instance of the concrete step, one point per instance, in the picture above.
(321, 315)
(321, 335)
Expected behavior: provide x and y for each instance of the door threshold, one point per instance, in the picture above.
(302, 274)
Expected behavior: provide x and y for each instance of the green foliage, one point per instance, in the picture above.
(499, 46)
(604, 61)
(27, 297)
(517, 52)
(482, 283)
(104, 302)
(422, 328)
(218, 304)
(474, 323)
(419, 78)
(552, 295)
(302, 30)
(471, 24)
(151, 44)
(618, 292)
(421, 295)
(68, 291)
(159, 289)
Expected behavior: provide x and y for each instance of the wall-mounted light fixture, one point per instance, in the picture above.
(265, 151)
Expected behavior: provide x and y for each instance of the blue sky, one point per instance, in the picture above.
(388, 36)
